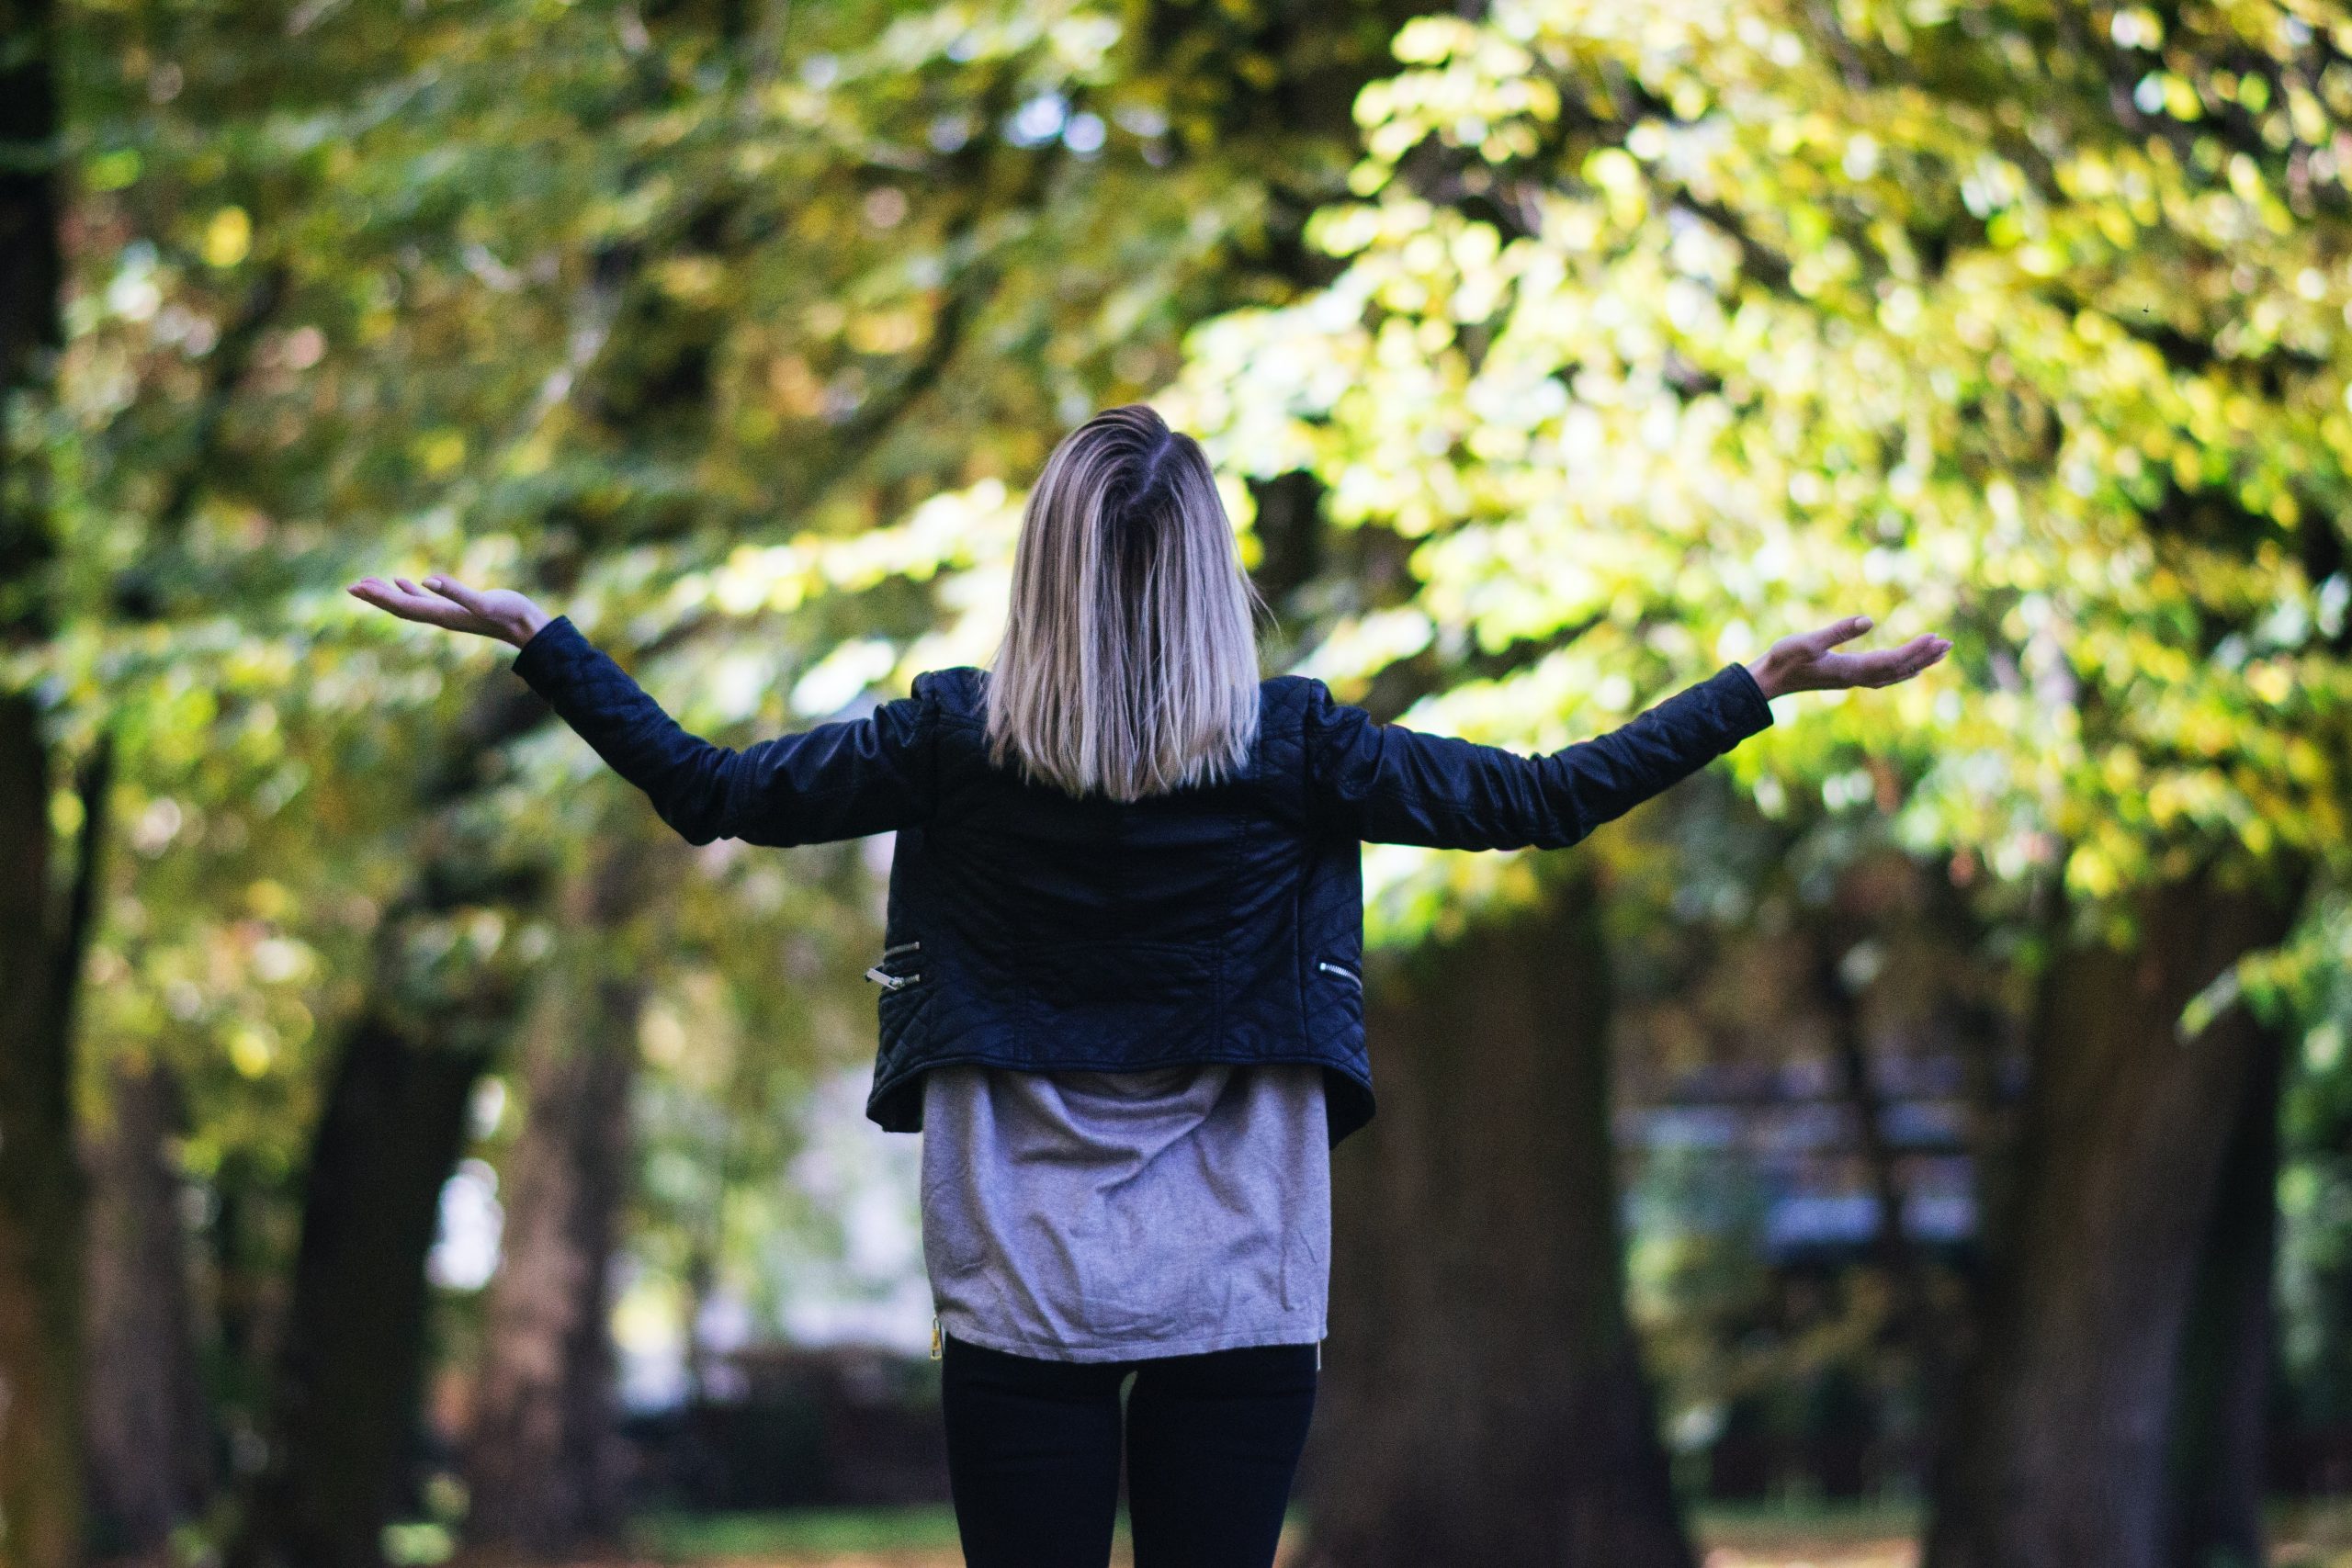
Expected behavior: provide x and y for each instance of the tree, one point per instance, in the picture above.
(45, 935)
(150, 1436)
(2083, 1333)
(668, 324)
(543, 1452)
(1660, 325)
(439, 1005)
(1487, 1399)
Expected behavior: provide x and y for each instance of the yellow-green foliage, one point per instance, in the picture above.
(1665, 329)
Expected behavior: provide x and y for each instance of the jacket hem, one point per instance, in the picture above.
(895, 1104)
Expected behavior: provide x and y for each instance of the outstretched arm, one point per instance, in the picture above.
(1387, 784)
(836, 781)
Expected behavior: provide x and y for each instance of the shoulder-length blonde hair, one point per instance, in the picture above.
(1129, 663)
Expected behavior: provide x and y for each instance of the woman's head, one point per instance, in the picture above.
(1129, 663)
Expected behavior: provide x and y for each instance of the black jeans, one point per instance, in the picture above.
(1211, 1442)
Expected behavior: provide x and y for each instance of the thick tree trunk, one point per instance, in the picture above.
(2221, 1413)
(543, 1455)
(344, 1409)
(2059, 1456)
(144, 1415)
(1484, 1399)
(40, 1189)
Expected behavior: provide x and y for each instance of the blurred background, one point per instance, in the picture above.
(1920, 1137)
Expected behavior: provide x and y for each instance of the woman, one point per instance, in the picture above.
(1120, 975)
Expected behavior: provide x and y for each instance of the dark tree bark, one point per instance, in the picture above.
(2059, 1457)
(1485, 1400)
(33, 262)
(41, 1184)
(2221, 1418)
(543, 1457)
(148, 1438)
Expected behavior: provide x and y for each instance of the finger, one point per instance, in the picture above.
(375, 590)
(410, 607)
(457, 592)
(1920, 652)
(1885, 666)
(378, 592)
(1871, 669)
(1836, 632)
(407, 587)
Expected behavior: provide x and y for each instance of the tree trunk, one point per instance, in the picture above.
(1485, 1400)
(40, 1188)
(147, 1438)
(344, 1400)
(2059, 1456)
(2221, 1420)
(40, 1180)
(345, 1405)
(543, 1455)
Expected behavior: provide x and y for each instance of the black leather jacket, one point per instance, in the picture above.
(1030, 929)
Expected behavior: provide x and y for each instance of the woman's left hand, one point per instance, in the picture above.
(444, 602)
(1805, 663)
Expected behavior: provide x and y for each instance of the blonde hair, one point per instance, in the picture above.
(1129, 663)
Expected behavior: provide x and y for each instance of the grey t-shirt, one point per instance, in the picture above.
(1100, 1217)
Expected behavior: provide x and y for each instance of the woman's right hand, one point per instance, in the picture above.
(1804, 663)
(493, 612)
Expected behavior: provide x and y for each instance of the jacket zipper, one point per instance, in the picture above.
(1350, 975)
(886, 980)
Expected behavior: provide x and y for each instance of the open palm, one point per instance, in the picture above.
(1807, 662)
(443, 602)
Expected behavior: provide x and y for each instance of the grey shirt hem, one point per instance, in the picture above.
(1232, 1339)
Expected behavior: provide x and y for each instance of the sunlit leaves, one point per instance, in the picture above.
(1745, 316)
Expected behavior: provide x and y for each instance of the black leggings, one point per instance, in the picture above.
(1211, 1443)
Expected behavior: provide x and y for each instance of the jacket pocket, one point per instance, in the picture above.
(903, 1006)
(1335, 1003)
(899, 968)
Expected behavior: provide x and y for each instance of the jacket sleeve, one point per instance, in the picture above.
(1389, 785)
(836, 781)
